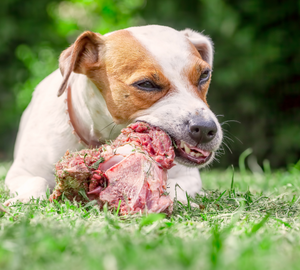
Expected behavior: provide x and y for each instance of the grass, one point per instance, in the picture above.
(245, 221)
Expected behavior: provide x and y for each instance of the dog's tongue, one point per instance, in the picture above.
(203, 152)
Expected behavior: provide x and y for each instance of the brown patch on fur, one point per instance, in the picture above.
(194, 77)
(125, 61)
(194, 71)
(80, 57)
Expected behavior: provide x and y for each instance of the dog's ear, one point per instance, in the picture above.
(80, 57)
(202, 43)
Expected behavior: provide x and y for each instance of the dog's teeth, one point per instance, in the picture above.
(199, 155)
(193, 154)
(187, 150)
(181, 144)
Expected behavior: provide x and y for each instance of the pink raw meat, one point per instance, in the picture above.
(133, 171)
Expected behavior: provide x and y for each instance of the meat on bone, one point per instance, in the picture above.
(132, 171)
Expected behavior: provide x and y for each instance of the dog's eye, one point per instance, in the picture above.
(146, 85)
(204, 77)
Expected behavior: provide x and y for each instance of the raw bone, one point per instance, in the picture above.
(134, 171)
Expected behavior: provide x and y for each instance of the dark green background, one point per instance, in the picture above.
(256, 78)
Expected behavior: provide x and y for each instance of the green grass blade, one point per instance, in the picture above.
(257, 226)
(242, 159)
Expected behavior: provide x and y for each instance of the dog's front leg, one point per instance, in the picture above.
(25, 192)
(24, 186)
(182, 180)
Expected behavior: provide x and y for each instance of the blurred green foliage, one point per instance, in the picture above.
(256, 78)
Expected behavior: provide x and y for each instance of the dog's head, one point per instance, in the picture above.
(153, 74)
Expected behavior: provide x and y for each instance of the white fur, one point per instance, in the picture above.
(182, 179)
(202, 43)
(45, 135)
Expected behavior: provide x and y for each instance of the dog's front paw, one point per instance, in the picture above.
(25, 198)
(33, 187)
(16, 199)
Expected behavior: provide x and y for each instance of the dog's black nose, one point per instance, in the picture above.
(202, 131)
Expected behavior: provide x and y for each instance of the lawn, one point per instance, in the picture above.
(244, 221)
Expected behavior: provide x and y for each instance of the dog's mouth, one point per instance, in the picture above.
(191, 153)
(187, 154)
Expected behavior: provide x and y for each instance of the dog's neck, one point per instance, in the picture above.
(92, 123)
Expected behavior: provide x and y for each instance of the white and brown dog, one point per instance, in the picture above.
(150, 73)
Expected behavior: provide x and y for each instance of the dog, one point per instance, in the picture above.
(152, 73)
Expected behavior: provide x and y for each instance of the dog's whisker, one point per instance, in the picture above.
(227, 147)
(106, 127)
(230, 121)
(112, 130)
(229, 133)
(216, 160)
(221, 151)
(237, 139)
(228, 138)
